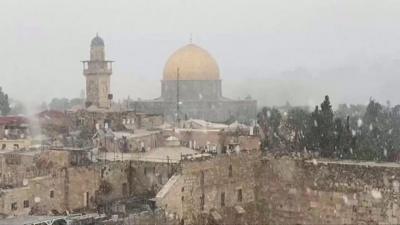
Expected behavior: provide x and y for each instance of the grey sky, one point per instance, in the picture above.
(275, 50)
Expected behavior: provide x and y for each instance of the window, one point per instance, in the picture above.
(202, 202)
(51, 194)
(160, 179)
(3, 146)
(223, 199)
(14, 206)
(202, 178)
(145, 171)
(230, 170)
(26, 204)
(239, 195)
(124, 189)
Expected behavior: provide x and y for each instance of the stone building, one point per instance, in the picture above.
(97, 71)
(191, 88)
(216, 138)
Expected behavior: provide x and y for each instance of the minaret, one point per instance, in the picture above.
(97, 72)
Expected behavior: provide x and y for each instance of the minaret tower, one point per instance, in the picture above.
(97, 72)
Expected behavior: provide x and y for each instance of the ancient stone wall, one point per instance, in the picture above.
(288, 190)
(329, 192)
(85, 187)
(223, 181)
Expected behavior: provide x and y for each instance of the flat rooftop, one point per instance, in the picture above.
(138, 133)
(22, 220)
(162, 154)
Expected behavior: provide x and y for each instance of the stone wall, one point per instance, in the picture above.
(206, 185)
(17, 166)
(85, 187)
(287, 190)
(131, 142)
(116, 120)
(300, 191)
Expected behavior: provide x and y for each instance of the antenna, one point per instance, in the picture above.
(177, 95)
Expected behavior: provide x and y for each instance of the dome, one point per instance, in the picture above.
(97, 42)
(194, 63)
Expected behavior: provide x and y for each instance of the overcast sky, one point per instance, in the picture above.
(274, 50)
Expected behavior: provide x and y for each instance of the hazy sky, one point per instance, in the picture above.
(274, 50)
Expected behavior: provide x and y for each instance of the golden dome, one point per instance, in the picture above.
(194, 63)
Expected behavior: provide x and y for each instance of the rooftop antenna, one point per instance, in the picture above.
(177, 95)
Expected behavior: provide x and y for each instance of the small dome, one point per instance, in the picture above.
(97, 42)
(194, 63)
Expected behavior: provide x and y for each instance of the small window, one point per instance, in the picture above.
(202, 202)
(51, 194)
(14, 206)
(26, 204)
(230, 170)
(145, 171)
(3, 146)
(202, 178)
(124, 189)
(239, 195)
(223, 199)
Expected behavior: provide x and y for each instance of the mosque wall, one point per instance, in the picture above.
(192, 90)
(214, 111)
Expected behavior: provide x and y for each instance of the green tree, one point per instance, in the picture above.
(269, 121)
(326, 126)
(60, 104)
(298, 121)
(4, 103)
(18, 108)
(373, 136)
(314, 135)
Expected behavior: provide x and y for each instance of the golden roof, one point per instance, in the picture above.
(194, 63)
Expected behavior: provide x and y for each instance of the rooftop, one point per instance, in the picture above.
(162, 154)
